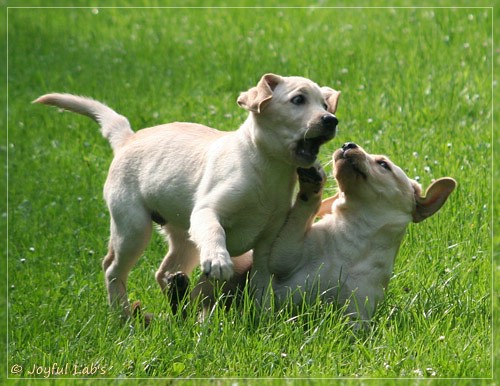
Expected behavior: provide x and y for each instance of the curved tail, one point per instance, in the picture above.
(114, 127)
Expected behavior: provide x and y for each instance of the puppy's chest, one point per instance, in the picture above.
(254, 222)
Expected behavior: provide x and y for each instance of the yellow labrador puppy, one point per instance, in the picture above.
(348, 255)
(215, 194)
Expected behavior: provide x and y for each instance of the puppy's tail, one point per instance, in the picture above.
(114, 127)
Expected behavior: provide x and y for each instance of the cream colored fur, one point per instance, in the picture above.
(348, 255)
(216, 194)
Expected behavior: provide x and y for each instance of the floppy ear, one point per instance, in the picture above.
(435, 196)
(257, 97)
(331, 98)
(326, 206)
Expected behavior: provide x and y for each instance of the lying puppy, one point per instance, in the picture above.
(348, 255)
(215, 194)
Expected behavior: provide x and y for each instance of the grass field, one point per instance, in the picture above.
(416, 85)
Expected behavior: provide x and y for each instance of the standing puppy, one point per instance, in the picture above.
(216, 194)
(348, 255)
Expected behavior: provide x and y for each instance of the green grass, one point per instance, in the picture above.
(416, 85)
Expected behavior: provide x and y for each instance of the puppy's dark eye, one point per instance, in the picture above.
(298, 100)
(325, 106)
(384, 164)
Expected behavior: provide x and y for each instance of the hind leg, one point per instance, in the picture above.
(130, 234)
(182, 255)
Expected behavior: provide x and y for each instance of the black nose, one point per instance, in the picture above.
(329, 120)
(349, 145)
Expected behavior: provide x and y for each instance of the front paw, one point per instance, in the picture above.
(314, 175)
(217, 265)
(311, 181)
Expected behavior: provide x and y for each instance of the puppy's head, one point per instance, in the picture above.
(294, 116)
(374, 181)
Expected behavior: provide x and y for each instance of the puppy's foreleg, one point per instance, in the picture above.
(308, 201)
(183, 256)
(287, 249)
(208, 234)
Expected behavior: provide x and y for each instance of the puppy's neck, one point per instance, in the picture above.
(365, 240)
(373, 222)
(381, 213)
(263, 143)
(249, 130)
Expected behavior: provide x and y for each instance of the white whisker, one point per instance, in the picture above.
(328, 163)
(305, 133)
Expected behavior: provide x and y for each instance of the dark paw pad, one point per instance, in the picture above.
(311, 181)
(176, 289)
(313, 175)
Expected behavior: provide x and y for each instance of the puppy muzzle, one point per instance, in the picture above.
(319, 133)
(353, 157)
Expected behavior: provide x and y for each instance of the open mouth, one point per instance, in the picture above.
(308, 148)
